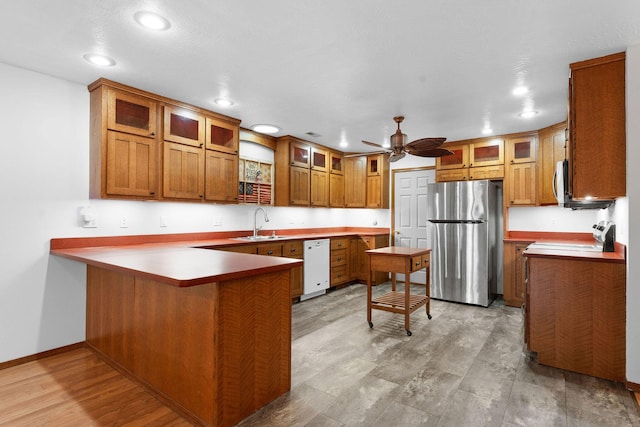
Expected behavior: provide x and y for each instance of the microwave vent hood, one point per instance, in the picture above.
(586, 204)
(561, 191)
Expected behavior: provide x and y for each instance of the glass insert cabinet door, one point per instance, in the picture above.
(319, 159)
(336, 164)
(522, 150)
(183, 126)
(221, 136)
(459, 159)
(486, 153)
(131, 114)
(300, 155)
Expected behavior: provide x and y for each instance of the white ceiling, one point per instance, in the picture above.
(339, 68)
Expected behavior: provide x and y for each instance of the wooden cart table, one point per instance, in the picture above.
(395, 259)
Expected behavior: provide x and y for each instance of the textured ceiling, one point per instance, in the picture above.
(339, 68)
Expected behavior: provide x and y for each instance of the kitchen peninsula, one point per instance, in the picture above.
(207, 331)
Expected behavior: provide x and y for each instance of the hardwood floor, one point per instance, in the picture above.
(77, 388)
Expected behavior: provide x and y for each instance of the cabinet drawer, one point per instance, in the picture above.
(419, 262)
(487, 172)
(339, 257)
(273, 249)
(339, 274)
(452, 175)
(292, 249)
(342, 243)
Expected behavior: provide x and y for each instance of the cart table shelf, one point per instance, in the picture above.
(395, 259)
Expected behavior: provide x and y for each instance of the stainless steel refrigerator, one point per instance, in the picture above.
(465, 220)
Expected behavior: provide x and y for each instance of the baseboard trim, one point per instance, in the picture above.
(635, 387)
(41, 355)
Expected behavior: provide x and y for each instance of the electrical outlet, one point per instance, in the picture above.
(124, 222)
(163, 221)
(217, 221)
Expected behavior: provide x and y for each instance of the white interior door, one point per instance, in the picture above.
(410, 212)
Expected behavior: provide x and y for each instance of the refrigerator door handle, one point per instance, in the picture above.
(457, 221)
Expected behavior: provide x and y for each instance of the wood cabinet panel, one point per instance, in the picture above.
(183, 172)
(522, 149)
(221, 176)
(131, 113)
(486, 153)
(355, 182)
(486, 172)
(597, 124)
(183, 126)
(299, 190)
(514, 273)
(319, 188)
(521, 186)
(446, 175)
(336, 191)
(132, 165)
(551, 151)
(221, 136)
(576, 315)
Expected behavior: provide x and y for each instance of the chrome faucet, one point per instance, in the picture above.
(255, 221)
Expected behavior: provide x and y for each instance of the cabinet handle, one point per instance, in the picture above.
(269, 252)
(201, 196)
(417, 263)
(470, 164)
(339, 258)
(511, 161)
(200, 145)
(512, 202)
(339, 244)
(153, 193)
(293, 250)
(153, 134)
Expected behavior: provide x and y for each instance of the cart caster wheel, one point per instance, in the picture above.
(429, 316)
(371, 324)
(409, 333)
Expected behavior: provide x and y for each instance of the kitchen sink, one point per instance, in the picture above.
(576, 247)
(258, 238)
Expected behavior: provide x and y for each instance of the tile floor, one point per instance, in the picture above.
(465, 367)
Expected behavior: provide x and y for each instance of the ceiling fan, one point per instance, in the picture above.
(424, 147)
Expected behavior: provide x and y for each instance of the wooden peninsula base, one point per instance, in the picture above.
(216, 352)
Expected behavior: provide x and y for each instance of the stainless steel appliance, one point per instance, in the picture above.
(562, 191)
(604, 236)
(316, 268)
(465, 219)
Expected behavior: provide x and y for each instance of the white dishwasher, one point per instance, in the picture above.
(316, 268)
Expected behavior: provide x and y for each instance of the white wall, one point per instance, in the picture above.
(633, 193)
(44, 170)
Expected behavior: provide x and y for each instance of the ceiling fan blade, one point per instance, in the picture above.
(425, 144)
(434, 152)
(373, 144)
(396, 156)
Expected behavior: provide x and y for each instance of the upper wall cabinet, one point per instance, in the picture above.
(130, 113)
(137, 137)
(472, 159)
(597, 120)
(551, 150)
(183, 126)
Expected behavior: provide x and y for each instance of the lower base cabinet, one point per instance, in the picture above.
(575, 315)
(514, 273)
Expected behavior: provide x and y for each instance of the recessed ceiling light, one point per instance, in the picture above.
(151, 21)
(344, 144)
(487, 131)
(101, 60)
(264, 128)
(520, 90)
(528, 114)
(223, 102)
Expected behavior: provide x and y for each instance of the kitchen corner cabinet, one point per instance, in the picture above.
(597, 121)
(377, 182)
(355, 181)
(521, 170)
(144, 146)
(551, 150)
(514, 273)
(294, 249)
(575, 315)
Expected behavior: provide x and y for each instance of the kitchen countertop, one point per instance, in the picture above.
(618, 256)
(187, 259)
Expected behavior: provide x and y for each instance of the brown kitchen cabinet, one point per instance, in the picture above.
(358, 258)
(514, 273)
(183, 126)
(335, 163)
(299, 186)
(183, 172)
(221, 176)
(221, 135)
(145, 146)
(575, 315)
(597, 125)
(339, 257)
(293, 249)
(319, 188)
(355, 181)
(521, 170)
(336, 190)
(127, 112)
(551, 150)
(377, 182)
(472, 160)
(131, 166)
(293, 173)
